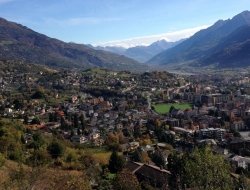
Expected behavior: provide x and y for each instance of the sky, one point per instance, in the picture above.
(124, 23)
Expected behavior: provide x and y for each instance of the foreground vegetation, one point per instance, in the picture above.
(52, 163)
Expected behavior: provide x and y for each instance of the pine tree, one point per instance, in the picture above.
(76, 120)
(55, 149)
(116, 162)
(82, 121)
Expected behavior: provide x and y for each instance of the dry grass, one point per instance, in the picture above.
(102, 157)
(16, 177)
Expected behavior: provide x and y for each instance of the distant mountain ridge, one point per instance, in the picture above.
(233, 51)
(18, 42)
(141, 53)
(208, 46)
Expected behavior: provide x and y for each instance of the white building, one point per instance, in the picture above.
(243, 162)
(78, 139)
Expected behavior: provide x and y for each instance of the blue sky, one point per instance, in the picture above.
(112, 21)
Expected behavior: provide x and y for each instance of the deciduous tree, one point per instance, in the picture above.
(205, 170)
(126, 180)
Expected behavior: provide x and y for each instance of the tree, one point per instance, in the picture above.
(121, 137)
(176, 167)
(137, 131)
(76, 120)
(145, 157)
(55, 117)
(105, 184)
(126, 180)
(140, 156)
(235, 133)
(112, 141)
(204, 170)
(171, 109)
(18, 104)
(137, 156)
(51, 118)
(158, 158)
(38, 141)
(79, 131)
(26, 119)
(38, 95)
(168, 138)
(63, 123)
(82, 121)
(55, 149)
(116, 162)
(36, 121)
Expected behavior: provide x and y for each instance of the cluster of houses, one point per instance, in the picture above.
(101, 102)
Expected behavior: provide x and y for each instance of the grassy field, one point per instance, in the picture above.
(164, 108)
(99, 154)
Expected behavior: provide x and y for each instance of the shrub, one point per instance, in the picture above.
(15, 155)
(71, 157)
(2, 160)
(38, 95)
(39, 157)
(55, 149)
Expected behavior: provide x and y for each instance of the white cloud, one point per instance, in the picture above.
(147, 40)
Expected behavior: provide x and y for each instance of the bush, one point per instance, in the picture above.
(15, 155)
(38, 141)
(39, 157)
(71, 157)
(2, 160)
(36, 120)
(38, 95)
(55, 149)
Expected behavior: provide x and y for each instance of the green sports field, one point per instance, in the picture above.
(164, 108)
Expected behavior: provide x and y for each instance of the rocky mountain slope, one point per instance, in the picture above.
(221, 44)
(18, 42)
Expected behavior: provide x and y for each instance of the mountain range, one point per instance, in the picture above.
(18, 42)
(224, 44)
(141, 53)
